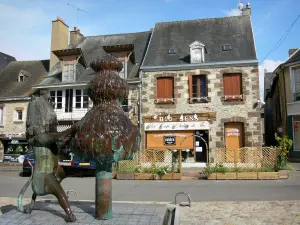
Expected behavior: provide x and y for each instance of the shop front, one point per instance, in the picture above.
(15, 148)
(179, 132)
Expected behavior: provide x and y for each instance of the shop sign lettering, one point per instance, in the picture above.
(182, 118)
(233, 132)
(199, 125)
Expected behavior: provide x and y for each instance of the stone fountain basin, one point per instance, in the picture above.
(49, 212)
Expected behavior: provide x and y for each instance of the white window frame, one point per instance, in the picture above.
(67, 74)
(21, 75)
(82, 95)
(293, 80)
(17, 115)
(1, 116)
(197, 45)
(55, 98)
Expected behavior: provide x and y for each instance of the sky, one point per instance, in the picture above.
(25, 26)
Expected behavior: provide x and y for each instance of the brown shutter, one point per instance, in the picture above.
(226, 84)
(160, 88)
(190, 89)
(198, 87)
(236, 83)
(169, 87)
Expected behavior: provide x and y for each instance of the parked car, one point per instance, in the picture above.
(74, 165)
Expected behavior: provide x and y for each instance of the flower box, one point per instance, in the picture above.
(283, 174)
(176, 176)
(212, 176)
(143, 176)
(268, 175)
(125, 176)
(247, 176)
(167, 176)
(226, 176)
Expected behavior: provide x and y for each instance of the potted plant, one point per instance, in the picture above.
(285, 144)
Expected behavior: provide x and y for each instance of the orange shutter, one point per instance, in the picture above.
(169, 90)
(160, 88)
(227, 84)
(236, 83)
(190, 88)
(199, 86)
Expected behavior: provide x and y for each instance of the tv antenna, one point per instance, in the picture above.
(78, 9)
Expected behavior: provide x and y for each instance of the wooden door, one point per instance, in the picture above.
(234, 141)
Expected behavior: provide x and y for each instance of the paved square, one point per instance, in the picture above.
(123, 213)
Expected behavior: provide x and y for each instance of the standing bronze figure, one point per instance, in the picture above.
(42, 136)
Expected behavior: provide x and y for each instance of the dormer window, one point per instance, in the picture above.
(22, 75)
(197, 52)
(68, 74)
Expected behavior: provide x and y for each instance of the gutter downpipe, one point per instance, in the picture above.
(140, 105)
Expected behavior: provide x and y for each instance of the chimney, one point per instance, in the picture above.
(246, 11)
(292, 51)
(59, 39)
(75, 35)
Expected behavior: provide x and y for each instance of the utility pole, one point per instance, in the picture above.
(78, 9)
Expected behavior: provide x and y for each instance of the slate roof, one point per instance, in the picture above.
(268, 80)
(92, 48)
(9, 85)
(5, 60)
(212, 32)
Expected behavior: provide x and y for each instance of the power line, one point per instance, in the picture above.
(78, 9)
(280, 41)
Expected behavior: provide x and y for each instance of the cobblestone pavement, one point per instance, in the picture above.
(123, 213)
(237, 213)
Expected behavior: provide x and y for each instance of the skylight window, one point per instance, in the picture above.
(172, 51)
(226, 47)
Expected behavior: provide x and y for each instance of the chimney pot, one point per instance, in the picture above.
(292, 51)
(78, 30)
(75, 28)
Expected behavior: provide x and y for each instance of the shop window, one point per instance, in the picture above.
(296, 86)
(165, 90)
(232, 84)
(198, 89)
(296, 141)
(1, 116)
(68, 74)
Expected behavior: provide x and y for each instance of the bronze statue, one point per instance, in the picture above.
(105, 134)
(42, 137)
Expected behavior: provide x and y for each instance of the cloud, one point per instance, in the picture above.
(23, 32)
(232, 12)
(268, 66)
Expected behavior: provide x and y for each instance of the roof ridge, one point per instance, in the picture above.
(118, 34)
(202, 19)
(36, 60)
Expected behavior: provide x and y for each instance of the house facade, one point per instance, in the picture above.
(200, 82)
(71, 72)
(288, 75)
(16, 81)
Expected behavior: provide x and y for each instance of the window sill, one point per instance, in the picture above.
(164, 101)
(200, 100)
(19, 121)
(233, 98)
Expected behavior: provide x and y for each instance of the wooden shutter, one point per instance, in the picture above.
(160, 88)
(169, 90)
(190, 83)
(232, 84)
(227, 84)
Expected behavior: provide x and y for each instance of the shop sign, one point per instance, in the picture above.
(10, 158)
(233, 132)
(182, 118)
(169, 140)
(199, 125)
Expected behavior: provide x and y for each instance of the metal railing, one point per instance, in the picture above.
(73, 113)
(296, 96)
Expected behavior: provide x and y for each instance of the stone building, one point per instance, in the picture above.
(16, 81)
(70, 70)
(199, 84)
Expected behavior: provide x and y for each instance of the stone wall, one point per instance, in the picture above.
(10, 123)
(133, 99)
(225, 111)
